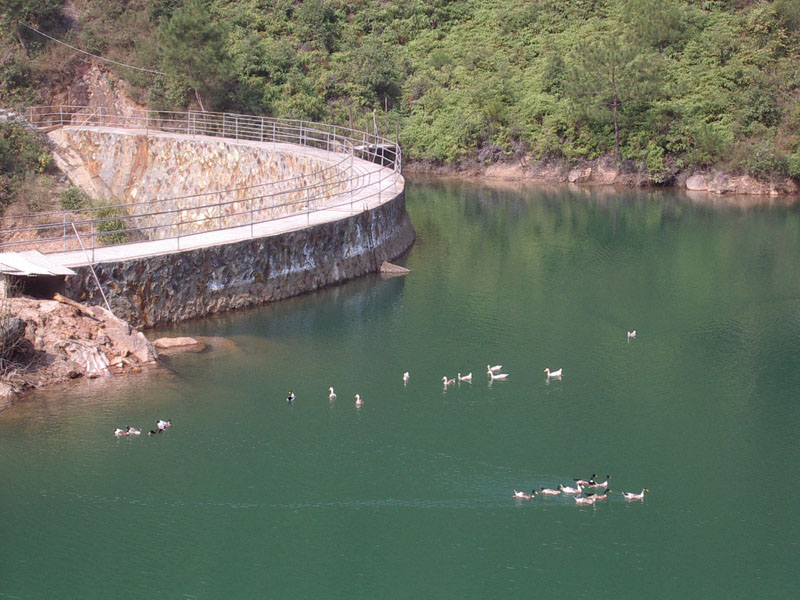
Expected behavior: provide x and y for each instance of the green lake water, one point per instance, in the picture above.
(410, 496)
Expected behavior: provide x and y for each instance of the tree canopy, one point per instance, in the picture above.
(655, 82)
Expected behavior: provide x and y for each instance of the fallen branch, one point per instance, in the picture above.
(76, 305)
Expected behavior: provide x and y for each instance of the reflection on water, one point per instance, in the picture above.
(411, 495)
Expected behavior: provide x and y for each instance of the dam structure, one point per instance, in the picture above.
(196, 213)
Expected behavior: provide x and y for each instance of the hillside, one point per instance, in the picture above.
(658, 85)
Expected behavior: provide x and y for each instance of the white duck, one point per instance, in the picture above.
(161, 424)
(632, 496)
(120, 432)
(447, 381)
(499, 376)
(467, 377)
(631, 335)
(602, 496)
(331, 394)
(550, 492)
(554, 374)
(494, 369)
(359, 401)
(133, 430)
(406, 377)
(588, 499)
(523, 495)
(569, 490)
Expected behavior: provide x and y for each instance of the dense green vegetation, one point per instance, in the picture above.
(661, 83)
(23, 157)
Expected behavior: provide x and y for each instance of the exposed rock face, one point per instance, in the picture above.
(137, 169)
(606, 171)
(718, 182)
(62, 342)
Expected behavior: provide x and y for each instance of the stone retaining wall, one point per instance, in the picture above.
(195, 283)
(165, 172)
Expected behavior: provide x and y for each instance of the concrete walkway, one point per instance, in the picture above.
(375, 186)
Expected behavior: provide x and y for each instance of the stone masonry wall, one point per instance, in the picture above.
(166, 172)
(195, 283)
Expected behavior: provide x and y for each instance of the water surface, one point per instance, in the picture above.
(411, 495)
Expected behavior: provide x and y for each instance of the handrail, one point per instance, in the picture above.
(168, 218)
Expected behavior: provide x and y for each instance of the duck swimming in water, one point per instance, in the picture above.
(120, 432)
(569, 490)
(467, 377)
(554, 374)
(631, 335)
(585, 482)
(494, 369)
(550, 492)
(406, 377)
(523, 495)
(161, 426)
(290, 397)
(599, 484)
(331, 394)
(587, 499)
(359, 401)
(633, 496)
(447, 381)
(133, 430)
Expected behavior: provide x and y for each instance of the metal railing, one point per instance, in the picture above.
(342, 181)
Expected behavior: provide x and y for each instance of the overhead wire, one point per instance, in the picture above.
(108, 60)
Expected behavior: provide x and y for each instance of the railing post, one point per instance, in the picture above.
(274, 135)
(262, 128)
(92, 231)
(188, 120)
(65, 232)
(251, 201)
(236, 128)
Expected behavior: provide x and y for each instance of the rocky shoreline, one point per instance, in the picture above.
(47, 342)
(605, 171)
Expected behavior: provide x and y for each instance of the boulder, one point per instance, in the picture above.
(697, 183)
(179, 344)
(387, 267)
(580, 175)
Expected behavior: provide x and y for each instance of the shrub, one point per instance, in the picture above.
(72, 198)
(111, 227)
(793, 164)
(763, 160)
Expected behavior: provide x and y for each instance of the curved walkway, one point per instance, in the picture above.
(374, 186)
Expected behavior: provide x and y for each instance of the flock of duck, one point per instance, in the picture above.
(581, 497)
(493, 372)
(601, 491)
(161, 427)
